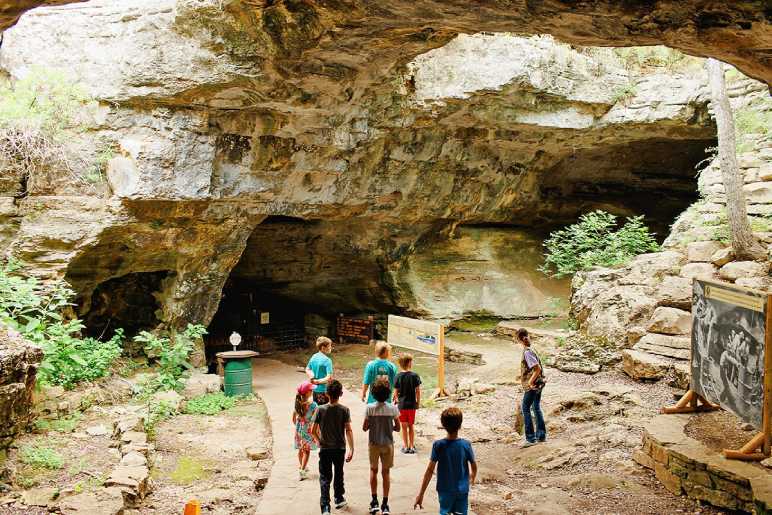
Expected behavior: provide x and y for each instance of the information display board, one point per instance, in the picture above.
(355, 330)
(423, 336)
(411, 333)
(729, 362)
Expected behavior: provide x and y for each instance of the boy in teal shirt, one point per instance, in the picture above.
(379, 367)
(319, 369)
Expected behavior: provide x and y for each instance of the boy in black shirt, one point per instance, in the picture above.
(331, 427)
(407, 391)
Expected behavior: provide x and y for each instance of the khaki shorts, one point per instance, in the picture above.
(383, 452)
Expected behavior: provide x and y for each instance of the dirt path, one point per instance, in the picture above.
(285, 494)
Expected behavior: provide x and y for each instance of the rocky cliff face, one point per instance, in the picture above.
(645, 306)
(736, 32)
(268, 150)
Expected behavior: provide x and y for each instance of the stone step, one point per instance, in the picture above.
(665, 340)
(642, 365)
(661, 350)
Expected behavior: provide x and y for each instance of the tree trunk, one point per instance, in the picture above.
(744, 244)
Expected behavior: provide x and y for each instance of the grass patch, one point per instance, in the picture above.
(40, 456)
(61, 425)
(187, 471)
(209, 404)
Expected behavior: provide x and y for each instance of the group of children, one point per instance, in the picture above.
(322, 422)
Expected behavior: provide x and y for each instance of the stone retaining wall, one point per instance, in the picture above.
(686, 467)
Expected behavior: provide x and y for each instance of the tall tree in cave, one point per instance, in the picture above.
(744, 244)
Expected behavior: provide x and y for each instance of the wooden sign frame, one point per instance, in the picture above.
(440, 328)
(760, 446)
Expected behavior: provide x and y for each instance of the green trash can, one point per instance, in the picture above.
(238, 377)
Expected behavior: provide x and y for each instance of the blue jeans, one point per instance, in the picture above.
(532, 400)
(453, 503)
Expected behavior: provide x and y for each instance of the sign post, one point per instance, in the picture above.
(423, 336)
(731, 360)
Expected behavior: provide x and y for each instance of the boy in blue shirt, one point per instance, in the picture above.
(319, 369)
(377, 368)
(453, 457)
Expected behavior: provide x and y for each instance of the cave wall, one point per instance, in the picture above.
(377, 160)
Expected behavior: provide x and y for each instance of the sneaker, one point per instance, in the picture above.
(374, 506)
(385, 509)
(411, 450)
(527, 444)
(325, 509)
(405, 450)
(340, 503)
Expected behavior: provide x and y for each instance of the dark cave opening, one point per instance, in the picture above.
(294, 278)
(129, 302)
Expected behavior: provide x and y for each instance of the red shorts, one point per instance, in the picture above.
(407, 416)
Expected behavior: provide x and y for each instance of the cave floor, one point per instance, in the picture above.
(594, 423)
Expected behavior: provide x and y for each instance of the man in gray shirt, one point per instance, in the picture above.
(381, 420)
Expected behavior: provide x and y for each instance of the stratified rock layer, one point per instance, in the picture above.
(19, 361)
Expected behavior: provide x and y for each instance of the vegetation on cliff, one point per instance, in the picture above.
(595, 240)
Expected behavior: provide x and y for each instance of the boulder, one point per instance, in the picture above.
(131, 479)
(699, 270)
(758, 193)
(642, 365)
(675, 292)
(482, 388)
(681, 376)
(200, 384)
(737, 269)
(666, 320)
(19, 361)
(103, 501)
(257, 453)
(98, 430)
(702, 251)
(128, 423)
(755, 283)
(170, 398)
(722, 256)
(133, 459)
(39, 496)
(134, 437)
(142, 448)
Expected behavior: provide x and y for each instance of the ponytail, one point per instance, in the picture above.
(300, 406)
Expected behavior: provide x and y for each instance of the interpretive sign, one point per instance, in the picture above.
(411, 333)
(728, 348)
(356, 330)
(423, 336)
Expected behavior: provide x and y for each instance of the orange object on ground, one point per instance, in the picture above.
(192, 508)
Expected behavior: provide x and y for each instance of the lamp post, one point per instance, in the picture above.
(235, 339)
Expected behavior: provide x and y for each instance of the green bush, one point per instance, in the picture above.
(34, 309)
(209, 404)
(157, 412)
(595, 240)
(171, 352)
(40, 456)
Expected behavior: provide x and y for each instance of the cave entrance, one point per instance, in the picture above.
(294, 278)
(129, 302)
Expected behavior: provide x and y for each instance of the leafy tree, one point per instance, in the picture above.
(595, 240)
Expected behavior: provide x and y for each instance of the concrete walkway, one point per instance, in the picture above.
(284, 494)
